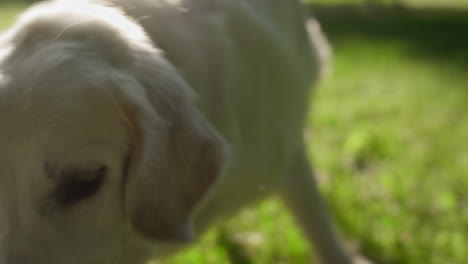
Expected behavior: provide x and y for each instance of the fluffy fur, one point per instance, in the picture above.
(129, 127)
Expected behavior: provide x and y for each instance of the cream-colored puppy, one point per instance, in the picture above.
(127, 127)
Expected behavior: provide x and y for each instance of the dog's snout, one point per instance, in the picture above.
(15, 235)
(5, 249)
(3, 253)
(14, 250)
(10, 258)
(5, 235)
(6, 243)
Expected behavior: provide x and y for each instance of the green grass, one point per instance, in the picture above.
(408, 3)
(389, 137)
(8, 12)
(390, 129)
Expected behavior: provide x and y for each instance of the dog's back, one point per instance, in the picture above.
(251, 63)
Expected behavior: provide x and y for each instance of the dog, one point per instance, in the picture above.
(129, 127)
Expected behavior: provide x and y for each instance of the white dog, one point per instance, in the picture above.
(127, 125)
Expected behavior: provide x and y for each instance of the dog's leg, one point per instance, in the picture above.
(301, 195)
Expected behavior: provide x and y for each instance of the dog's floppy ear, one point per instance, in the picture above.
(175, 155)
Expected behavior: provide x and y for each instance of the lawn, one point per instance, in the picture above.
(388, 134)
(391, 133)
(8, 13)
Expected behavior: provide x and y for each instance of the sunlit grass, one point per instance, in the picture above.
(391, 134)
(8, 12)
(406, 3)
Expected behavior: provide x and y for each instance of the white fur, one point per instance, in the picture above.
(161, 93)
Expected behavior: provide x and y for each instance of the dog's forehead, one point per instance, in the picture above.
(54, 97)
(62, 117)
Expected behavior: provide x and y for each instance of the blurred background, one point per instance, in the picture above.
(388, 134)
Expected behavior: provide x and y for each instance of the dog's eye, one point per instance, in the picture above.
(78, 183)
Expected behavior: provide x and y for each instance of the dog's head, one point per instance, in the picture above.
(100, 140)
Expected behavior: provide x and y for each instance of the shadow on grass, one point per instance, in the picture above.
(436, 34)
